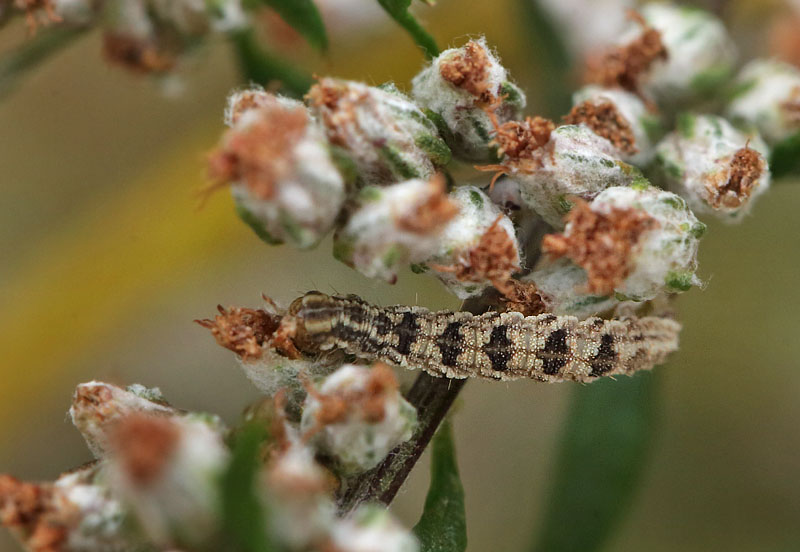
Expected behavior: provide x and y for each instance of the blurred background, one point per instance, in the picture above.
(105, 260)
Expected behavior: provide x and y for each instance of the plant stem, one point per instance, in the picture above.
(432, 397)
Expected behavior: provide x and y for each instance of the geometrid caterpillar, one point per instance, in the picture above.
(499, 346)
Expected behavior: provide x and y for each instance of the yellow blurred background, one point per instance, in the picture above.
(105, 261)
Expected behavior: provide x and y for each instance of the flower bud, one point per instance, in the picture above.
(279, 166)
(563, 287)
(571, 161)
(167, 470)
(700, 54)
(358, 415)
(302, 512)
(620, 117)
(385, 134)
(718, 169)
(768, 98)
(97, 407)
(372, 529)
(477, 249)
(75, 513)
(633, 242)
(394, 226)
(459, 87)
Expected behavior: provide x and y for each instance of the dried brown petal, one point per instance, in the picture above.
(469, 70)
(431, 214)
(623, 66)
(605, 120)
(242, 330)
(746, 167)
(602, 244)
(144, 445)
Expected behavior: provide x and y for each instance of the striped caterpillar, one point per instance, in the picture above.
(498, 346)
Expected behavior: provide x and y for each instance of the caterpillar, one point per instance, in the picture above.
(497, 346)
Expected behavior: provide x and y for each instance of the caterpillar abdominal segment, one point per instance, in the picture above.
(499, 346)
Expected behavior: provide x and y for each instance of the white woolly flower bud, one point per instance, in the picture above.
(634, 242)
(715, 167)
(619, 116)
(167, 471)
(279, 165)
(768, 97)
(574, 162)
(700, 53)
(477, 249)
(97, 407)
(101, 519)
(562, 285)
(302, 512)
(458, 88)
(372, 529)
(385, 134)
(358, 415)
(76, 513)
(394, 226)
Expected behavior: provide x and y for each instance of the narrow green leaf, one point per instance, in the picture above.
(785, 157)
(398, 10)
(244, 517)
(260, 67)
(600, 461)
(32, 52)
(303, 16)
(443, 525)
(552, 56)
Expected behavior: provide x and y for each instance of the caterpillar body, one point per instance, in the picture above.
(498, 346)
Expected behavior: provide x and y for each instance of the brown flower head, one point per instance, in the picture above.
(242, 330)
(143, 444)
(431, 214)
(469, 70)
(605, 120)
(623, 66)
(601, 244)
(746, 167)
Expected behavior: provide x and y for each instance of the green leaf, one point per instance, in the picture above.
(600, 461)
(303, 16)
(244, 517)
(32, 52)
(443, 525)
(785, 157)
(398, 10)
(552, 57)
(259, 66)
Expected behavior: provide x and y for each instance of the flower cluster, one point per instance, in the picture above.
(381, 160)
(144, 36)
(159, 481)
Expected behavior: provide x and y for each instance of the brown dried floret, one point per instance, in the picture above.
(259, 155)
(337, 104)
(469, 70)
(746, 168)
(143, 444)
(494, 258)
(523, 297)
(242, 330)
(602, 244)
(367, 404)
(605, 120)
(39, 512)
(432, 213)
(623, 66)
(518, 143)
(136, 54)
